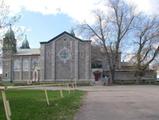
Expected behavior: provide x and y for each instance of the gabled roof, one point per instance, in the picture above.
(63, 34)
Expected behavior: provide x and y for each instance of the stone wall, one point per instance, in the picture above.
(23, 67)
(6, 65)
(84, 61)
(64, 68)
(48, 63)
(66, 58)
(129, 75)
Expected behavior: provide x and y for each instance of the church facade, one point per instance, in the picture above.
(63, 58)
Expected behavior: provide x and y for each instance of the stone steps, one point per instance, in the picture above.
(98, 83)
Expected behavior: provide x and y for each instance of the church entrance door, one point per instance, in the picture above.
(97, 75)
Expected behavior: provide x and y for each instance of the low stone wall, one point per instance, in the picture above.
(128, 77)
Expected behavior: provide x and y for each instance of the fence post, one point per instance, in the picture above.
(6, 105)
(47, 99)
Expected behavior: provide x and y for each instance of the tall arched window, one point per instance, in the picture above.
(17, 65)
(26, 64)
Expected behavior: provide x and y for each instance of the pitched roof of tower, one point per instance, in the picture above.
(25, 44)
(9, 41)
(10, 32)
(63, 34)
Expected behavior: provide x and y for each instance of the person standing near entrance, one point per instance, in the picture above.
(105, 80)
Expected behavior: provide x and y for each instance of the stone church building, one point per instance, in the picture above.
(63, 58)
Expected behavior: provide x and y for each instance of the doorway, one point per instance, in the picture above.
(97, 75)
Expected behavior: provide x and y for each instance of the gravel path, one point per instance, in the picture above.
(120, 103)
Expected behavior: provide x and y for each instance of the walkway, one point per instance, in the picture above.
(120, 103)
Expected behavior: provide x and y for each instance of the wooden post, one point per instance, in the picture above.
(47, 99)
(61, 93)
(8, 108)
(6, 105)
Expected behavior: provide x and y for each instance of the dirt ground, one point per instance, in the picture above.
(120, 103)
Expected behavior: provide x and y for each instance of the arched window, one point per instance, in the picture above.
(34, 63)
(25, 64)
(17, 65)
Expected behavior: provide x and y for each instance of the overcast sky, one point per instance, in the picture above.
(45, 19)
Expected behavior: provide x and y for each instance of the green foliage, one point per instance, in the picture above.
(31, 105)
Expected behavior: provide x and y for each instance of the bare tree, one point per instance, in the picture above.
(110, 30)
(4, 11)
(5, 17)
(147, 40)
(96, 52)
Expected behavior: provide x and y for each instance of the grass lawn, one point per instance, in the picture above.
(31, 105)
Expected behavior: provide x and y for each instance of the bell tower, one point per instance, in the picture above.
(8, 50)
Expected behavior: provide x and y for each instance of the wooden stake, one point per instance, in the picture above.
(8, 108)
(47, 99)
(6, 105)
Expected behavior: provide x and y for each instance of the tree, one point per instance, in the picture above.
(5, 18)
(96, 51)
(147, 41)
(110, 30)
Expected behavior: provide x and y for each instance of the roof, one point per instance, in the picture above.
(10, 33)
(63, 34)
(35, 51)
(25, 44)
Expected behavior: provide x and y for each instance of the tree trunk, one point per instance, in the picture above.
(112, 77)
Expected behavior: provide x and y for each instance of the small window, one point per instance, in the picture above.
(6, 75)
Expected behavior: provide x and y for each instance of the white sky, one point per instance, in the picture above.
(78, 10)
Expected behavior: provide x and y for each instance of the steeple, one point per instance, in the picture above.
(9, 41)
(25, 43)
(9, 48)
